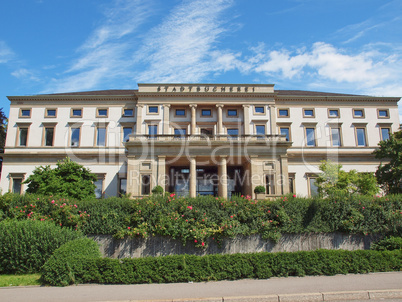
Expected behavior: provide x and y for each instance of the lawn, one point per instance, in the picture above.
(19, 280)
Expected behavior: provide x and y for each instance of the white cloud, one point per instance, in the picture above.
(6, 54)
(103, 55)
(23, 73)
(183, 48)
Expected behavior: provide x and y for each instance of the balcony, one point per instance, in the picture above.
(207, 138)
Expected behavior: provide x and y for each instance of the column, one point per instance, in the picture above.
(133, 176)
(162, 177)
(223, 178)
(139, 119)
(284, 174)
(193, 118)
(220, 122)
(272, 112)
(166, 119)
(193, 177)
(254, 176)
(246, 114)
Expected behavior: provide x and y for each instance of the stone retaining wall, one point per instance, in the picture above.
(163, 246)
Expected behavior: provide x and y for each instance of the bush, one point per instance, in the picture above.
(57, 270)
(157, 190)
(388, 244)
(184, 268)
(26, 245)
(259, 190)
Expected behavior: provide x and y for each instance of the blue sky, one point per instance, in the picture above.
(346, 46)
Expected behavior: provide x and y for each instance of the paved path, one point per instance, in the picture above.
(376, 286)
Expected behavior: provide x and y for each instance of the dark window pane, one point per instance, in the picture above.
(285, 131)
(77, 112)
(232, 112)
(310, 137)
(101, 138)
(128, 112)
(259, 110)
(49, 133)
(23, 136)
(333, 113)
(385, 133)
(17, 185)
(180, 112)
(126, 132)
(51, 112)
(308, 112)
(26, 112)
(283, 112)
(206, 112)
(153, 109)
(145, 184)
(102, 112)
(358, 113)
(336, 137)
(361, 137)
(75, 137)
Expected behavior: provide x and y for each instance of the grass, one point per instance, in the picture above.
(19, 280)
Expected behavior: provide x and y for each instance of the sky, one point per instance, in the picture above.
(343, 46)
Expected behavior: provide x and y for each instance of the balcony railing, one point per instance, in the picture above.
(203, 137)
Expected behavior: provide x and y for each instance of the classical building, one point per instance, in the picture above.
(196, 139)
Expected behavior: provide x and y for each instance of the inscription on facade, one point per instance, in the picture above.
(221, 89)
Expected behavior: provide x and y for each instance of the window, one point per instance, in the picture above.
(361, 137)
(285, 131)
(283, 112)
(76, 112)
(49, 136)
(16, 180)
(358, 113)
(259, 109)
(336, 137)
(152, 130)
(313, 189)
(126, 133)
(180, 112)
(153, 109)
(101, 137)
(25, 112)
(292, 179)
(308, 112)
(75, 137)
(179, 132)
(101, 112)
(383, 113)
(385, 132)
(270, 184)
(128, 112)
(333, 113)
(260, 130)
(233, 132)
(206, 112)
(145, 184)
(232, 112)
(50, 113)
(122, 186)
(206, 131)
(310, 137)
(22, 136)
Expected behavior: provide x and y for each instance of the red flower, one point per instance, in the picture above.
(202, 243)
(195, 240)
(294, 195)
(190, 207)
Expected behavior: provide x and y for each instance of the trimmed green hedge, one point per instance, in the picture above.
(184, 268)
(58, 269)
(388, 244)
(26, 245)
(198, 219)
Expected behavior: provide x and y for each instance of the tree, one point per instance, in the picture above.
(334, 180)
(68, 179)
(389, 175)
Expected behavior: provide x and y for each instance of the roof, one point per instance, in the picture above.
(310, 93)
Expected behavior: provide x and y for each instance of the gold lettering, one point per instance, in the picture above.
(231, 89)
(206, 88)
(189, 88)
(174, 89)
(238, 89)
(198, 88)
(222, 89)
(214, 89)
(181, 88)
(245, 89)
(166, 88)
(159, 88)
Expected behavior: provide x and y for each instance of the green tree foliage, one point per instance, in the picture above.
(389, 175)
(68, 179)
(3, 132)
(333, 180)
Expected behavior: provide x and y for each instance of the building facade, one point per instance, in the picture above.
(196, 139)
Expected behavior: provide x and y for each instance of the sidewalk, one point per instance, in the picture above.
(316, 288)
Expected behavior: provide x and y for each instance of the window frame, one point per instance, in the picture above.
(292, 182)
(309, 109)
(232, 136)
(123, 114)
(12, 178)
(232, 109)
(259, 113)
(25, 116)
(306, 135)
(76, 116)
(206, 116)
(145, 187)
(71, 127)
(179, 115)
(149, 111)
(149, 127)
(18, 138)
(44, 137)
(126, 126)
(360, 109)
(47, 113)
(357, 127)
(339, 127)
(180, 135)
(310, 177)
(269, 190)
(260, 125)
(98, 115)
(383, 117)
(389, 132)
(334, 109)
(100, 177)
(97, 127)
(283, 116)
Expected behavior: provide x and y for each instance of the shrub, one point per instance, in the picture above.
(26, 245)
(157, 190)
(184, 268)
(57, 270)
(388, 244)
(259, 189)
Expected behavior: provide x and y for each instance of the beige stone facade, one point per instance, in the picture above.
(196, 139)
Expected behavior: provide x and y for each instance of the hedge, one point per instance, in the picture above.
(185, 268)
(206, 217)
(26, 245)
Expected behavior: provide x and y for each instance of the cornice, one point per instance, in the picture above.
(337, 98)
(72, 98)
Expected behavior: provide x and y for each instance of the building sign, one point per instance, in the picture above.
(206, 88)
